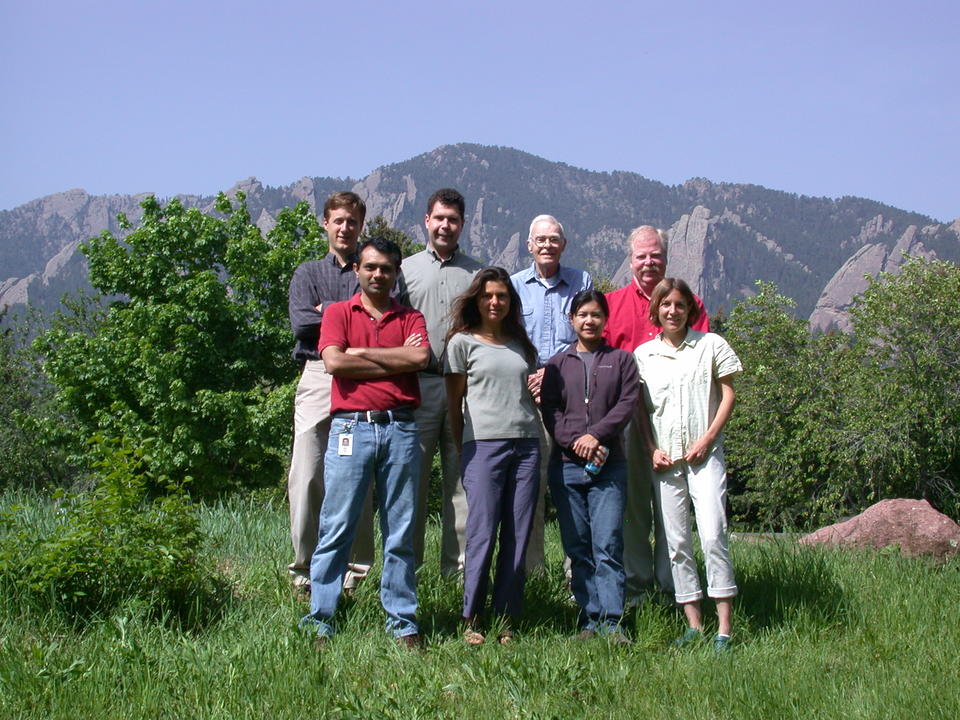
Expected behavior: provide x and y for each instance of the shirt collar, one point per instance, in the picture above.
(355, 303)
(637, 288)
(692, 338)
(332, 258)
(572, 349)
(530, 275)
(435, 256)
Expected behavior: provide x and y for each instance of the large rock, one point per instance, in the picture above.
(913, 525)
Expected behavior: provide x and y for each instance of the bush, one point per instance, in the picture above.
(827, 425)
(193, 357)
(39, 436)
(116, 543)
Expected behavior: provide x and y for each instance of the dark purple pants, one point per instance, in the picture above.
(501, 479)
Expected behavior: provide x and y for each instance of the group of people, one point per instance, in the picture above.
(616, 402)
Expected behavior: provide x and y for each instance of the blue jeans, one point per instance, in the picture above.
(590, 514)
(388, 454)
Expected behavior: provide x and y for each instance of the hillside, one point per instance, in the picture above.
(725, 236)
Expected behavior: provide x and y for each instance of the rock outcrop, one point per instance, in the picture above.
(832, 309)
(912, 525)
(725, 236)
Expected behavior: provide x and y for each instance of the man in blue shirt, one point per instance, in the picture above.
(546, 290)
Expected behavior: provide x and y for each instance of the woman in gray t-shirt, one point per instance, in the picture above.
(494, 421)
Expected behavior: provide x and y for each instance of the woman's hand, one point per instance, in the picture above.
(585, 446)
(661, 461)
(698, 452)
(534, 381)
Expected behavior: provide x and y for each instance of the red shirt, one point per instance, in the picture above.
(347, 324)
(629, 323)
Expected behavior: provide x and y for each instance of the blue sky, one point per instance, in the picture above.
(819, 98)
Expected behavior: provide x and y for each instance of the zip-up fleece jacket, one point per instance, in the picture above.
(603, 412)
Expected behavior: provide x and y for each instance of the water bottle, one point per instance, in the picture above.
(594, 467)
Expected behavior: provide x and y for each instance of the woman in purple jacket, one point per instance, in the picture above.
(588, 396)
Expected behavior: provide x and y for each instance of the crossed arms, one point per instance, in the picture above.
(364, 363)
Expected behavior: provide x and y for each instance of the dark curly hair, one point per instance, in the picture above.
(465, 314)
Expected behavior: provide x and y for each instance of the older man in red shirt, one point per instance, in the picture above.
(629, 326)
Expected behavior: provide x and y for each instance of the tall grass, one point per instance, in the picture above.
(820, 634)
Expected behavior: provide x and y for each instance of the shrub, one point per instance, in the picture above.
(828, 425)
(118, 542)
(39, 436)
(193, 356)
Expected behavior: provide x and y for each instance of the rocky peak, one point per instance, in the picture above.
(832, 309)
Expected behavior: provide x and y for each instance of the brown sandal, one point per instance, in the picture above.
(473, 637)
(506, 637)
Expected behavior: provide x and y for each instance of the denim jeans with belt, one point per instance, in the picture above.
(590, 515)
(389, 454)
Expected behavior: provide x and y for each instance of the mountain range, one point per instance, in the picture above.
(724, 236)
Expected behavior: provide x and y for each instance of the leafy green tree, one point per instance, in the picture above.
(902, 436)
(378, 227)
(193, 359)
(773, 447)
(827, 425)
(36, 440)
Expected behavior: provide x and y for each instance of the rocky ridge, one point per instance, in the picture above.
(725, 237)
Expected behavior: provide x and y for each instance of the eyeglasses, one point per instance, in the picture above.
(545, 240)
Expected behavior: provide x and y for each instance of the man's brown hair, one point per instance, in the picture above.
(345, 199)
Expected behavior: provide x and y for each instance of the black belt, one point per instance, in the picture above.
(381, 417)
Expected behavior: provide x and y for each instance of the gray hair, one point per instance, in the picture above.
(549, 219)
(661, 234)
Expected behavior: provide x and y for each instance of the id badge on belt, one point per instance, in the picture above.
(345, 444)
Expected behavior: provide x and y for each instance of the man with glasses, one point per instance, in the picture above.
(546, 290)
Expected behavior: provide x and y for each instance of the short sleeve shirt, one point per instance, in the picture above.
(497, 404)
(348, 324)
(680, 386)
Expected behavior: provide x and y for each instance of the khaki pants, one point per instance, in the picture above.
(311, 427)
(433, 429)
(645, 572)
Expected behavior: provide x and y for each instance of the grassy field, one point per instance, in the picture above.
(819, 634)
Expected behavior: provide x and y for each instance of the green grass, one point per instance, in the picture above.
(819, 634)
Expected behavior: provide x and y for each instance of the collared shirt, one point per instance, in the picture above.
(546, 307)
(680, 386)
(629, 323)
(348, 324)
(313, 283)
(431, 285)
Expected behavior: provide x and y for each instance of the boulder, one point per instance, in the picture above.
(913, 525)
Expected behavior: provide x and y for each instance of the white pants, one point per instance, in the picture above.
(706, 486)
(311, 427)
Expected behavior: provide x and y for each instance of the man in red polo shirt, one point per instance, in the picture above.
(373, 347)
(629, 326)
